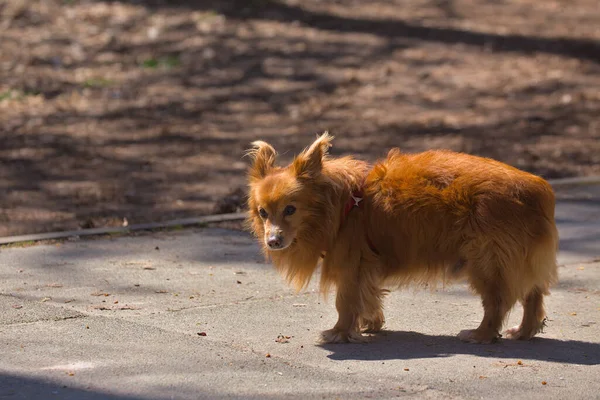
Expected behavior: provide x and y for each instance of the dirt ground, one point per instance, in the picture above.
(142, 110)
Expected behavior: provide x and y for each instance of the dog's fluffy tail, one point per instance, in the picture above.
(542, 259)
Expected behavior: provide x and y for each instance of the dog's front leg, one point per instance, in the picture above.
(346, 329)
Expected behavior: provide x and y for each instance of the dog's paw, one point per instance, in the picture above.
(514, 333)
(371, 326)
(477, 336)
(518, 333)
(337, 336)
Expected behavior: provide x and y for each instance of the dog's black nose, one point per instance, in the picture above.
(275, 242)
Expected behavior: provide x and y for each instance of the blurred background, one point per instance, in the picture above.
(142, 110)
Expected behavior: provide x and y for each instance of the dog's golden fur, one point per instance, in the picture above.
(424, 217)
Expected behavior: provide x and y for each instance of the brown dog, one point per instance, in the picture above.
(409, 218)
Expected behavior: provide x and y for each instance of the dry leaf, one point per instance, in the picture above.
(283, 339)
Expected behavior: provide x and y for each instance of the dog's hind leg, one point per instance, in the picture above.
(495, 308)
(533, 316)
(497, 300)
(542, 265)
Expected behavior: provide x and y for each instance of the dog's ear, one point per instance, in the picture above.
(310, 161)
(263, 159)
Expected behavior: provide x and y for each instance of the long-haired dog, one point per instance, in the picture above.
(409, 218)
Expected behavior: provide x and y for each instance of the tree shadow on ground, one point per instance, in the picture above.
(18, 387)
(388, 28)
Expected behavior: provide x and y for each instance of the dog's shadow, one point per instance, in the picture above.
(391, 345)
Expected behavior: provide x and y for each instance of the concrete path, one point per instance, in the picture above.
(198, 314)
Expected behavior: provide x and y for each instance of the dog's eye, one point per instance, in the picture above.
(263, 213)
(289, 210)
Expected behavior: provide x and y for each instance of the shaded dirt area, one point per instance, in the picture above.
(143, 109)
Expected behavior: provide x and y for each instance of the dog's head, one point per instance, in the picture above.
(284, 200)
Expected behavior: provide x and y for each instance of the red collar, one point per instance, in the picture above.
(356, 201)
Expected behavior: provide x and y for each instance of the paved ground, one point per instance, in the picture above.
(198, 314)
